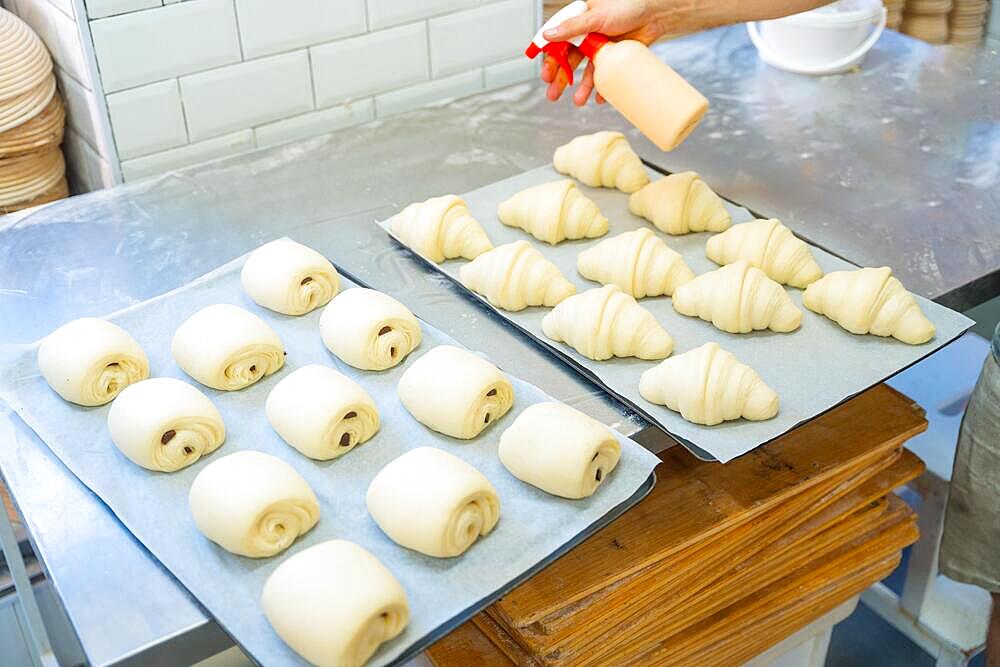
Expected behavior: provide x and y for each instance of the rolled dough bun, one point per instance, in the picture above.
(708, 385)
(605, 322)
(560, 450)
(455, 392)
(433, 502)
(440, 228)
(252, 504)
(321, 413)
(738, 298)
(681, 203)
(638, 262)
(289, 278)
(334, 604)
(602, 159)
(771, 247)
(514, 276)
(870, 301)
(553, 212)
(88, 361)
(368, 329)
(227, 348)
(164, 424)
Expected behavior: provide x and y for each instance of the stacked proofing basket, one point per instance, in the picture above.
(927, 20)
(32, 169)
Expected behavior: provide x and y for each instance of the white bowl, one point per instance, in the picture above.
(827, 40)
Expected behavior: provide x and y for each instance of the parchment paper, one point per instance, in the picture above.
(534, 527)
(812, 369)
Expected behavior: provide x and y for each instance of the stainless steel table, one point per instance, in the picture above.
(796, 148)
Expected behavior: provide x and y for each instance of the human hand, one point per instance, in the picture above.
(619, 19)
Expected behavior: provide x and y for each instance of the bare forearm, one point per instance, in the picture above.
(677, 16)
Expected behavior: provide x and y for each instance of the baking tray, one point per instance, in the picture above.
(813, 369)
(534, 529)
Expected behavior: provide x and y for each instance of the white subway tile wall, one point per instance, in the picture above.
(147, 119)
(486, 34)
(153, 85)
(315, 122)
(86, 169)
(84, 112)
(252, 93)
(201, 151)
(510, 72)
(385, 13)
(154, 44)
(268, 27)
(97, 9)
(450, 87)
(383, 60)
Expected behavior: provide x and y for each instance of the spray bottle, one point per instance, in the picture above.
(651, 95)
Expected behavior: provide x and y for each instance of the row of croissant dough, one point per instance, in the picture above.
(706, 385)
(333, 603)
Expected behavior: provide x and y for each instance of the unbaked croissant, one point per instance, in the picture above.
(869, 301)
(681, 203)
(771, 247)
(738, 298)
(440, 228)
(638, 262)
(708, 385)
(514, 276)
(553, 212)
(602, 159)
(605, 322)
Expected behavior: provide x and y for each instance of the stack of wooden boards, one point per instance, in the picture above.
(32, 169)
(719, 563)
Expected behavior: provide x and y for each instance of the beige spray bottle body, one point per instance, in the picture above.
(644, 89)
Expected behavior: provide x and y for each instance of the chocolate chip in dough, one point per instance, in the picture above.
(306, 280)
(491, 392)
(384, 330)
(351, 415)
(345, 440)
(253, 368)
(487, 419)
(599, 475)
(167, 437)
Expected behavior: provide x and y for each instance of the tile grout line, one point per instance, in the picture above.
(312, 81)
(239, 33)
(427, 41)
(180, 97)
(285, 52)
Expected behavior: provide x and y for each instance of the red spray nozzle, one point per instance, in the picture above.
(559, 51)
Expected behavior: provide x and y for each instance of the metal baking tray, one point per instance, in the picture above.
(812, 369)
(534, 529)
